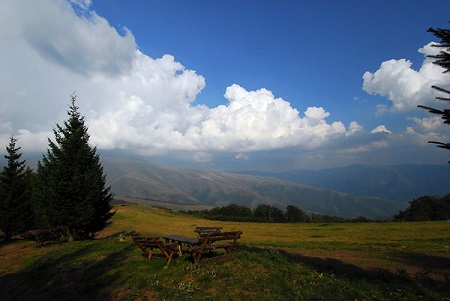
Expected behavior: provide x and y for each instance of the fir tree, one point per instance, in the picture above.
(296, 215)
(70, 185)
(442, 59)
(15, 193)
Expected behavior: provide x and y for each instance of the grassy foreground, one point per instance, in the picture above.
(373, 261)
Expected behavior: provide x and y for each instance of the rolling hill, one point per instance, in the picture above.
(143, 180)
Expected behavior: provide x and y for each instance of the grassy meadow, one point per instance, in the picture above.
(364, 261)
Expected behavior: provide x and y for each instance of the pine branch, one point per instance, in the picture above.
(441, 144)
(440, 89)
(431, 110)
(443, 98)
(443, 34)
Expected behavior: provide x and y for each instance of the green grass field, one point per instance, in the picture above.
(367, 261)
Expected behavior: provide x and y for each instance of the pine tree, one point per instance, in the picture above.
(70, 185)
(15, 193)
(442, 59)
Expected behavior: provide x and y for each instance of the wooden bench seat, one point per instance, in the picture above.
(201, 230)
(147, 244)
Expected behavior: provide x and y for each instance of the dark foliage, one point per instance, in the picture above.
(231, 212)
(442, 59)
(426, 208)
(15, 193)
(296, 215)
(70, 187)
(269, 214)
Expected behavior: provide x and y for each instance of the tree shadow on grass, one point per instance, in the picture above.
(424, 261)
(351, 271)
(74, 275)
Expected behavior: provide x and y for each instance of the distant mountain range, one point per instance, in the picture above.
(143, 180)
(397, 182)
(376, 192)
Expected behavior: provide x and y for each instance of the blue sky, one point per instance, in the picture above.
(303, 51)
(228, 84)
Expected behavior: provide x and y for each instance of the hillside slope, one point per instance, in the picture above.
(147, 181)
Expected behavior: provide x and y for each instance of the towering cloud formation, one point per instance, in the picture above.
(131, 100)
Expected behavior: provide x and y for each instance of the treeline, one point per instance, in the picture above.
(268, 214)
(426, 208)
(67, 192)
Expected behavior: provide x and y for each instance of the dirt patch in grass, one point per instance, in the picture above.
(13, 254)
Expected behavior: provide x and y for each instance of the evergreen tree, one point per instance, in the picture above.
(267, 213)
(296, 215)
(70, 185)
(426, 208)
(442, 59)
(232, 212)
(15, 193)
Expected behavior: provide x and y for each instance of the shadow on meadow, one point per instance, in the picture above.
(420, 277)
(351, 271)
(427, 262)
(95, 270)
(68, 276)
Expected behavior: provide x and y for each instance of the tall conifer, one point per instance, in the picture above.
(15, 193)
(70, 188)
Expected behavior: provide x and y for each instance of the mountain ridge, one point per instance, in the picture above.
(403, 182)
(144, 180)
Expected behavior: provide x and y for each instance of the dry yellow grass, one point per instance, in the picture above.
(391, 246)
(417, 236)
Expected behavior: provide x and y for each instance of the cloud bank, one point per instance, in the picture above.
(147, 106)
(132, 101)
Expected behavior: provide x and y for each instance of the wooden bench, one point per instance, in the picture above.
(48, 236)
(202, 230)
(147, 244)
(211, 241)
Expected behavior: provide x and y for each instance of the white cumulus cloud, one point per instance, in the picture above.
(428, 124)
(381, 129)
(404, 86)
(52, 48)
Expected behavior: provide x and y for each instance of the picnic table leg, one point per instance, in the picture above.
(149, 254)
(180, 252)
(197, 256)
(169, 257)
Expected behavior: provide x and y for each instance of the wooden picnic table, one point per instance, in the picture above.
(208, 240)
(211, 241)
(147, 244)
(180, 239)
